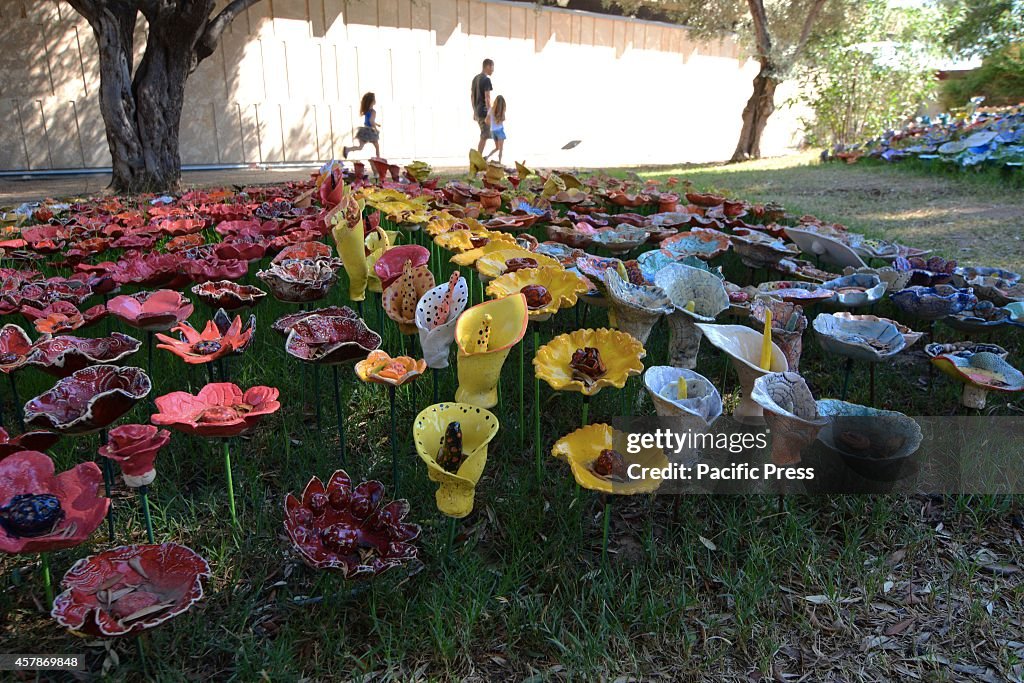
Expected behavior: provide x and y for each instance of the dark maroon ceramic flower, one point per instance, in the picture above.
(219, 409)
(347, 528)
(228, 295)
(29, 441)
(284, 324)
(41, 511)
(129, 589)
(298, 281)
(89, 400)
(206, 269)
(149, 270)
(134, 448)
(331, 340)
(43, 293)
(151, 311)
(15, 345)
(63, 355)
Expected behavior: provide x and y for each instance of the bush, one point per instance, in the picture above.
(1000, 80)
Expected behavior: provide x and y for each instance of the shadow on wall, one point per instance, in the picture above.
(285, 85)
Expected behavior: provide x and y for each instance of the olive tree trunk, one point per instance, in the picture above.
(141, 105)
(755, 115)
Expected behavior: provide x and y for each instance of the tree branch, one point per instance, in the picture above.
(208, 42)
(762, 39)
(805, 32)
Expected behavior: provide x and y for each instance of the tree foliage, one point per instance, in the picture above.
(869, 76)
(982, 27)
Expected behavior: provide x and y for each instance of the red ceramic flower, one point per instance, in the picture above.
(61, 356)
(207, 268)
(182, 226)
(285, 323)
(298, 281)
(346, 528)
(228, 295)
(183, 242)
(313, 251)
(149, 270)
(29, 441)
(89, 400)
(219, 409)
(15, 346)
(134, 448)
(151, 311)
(41, 294)
(241, 248)
(61, 317)
(390, 264)
(130, 589)
(41, 511)
(331, 340)
(212, 343)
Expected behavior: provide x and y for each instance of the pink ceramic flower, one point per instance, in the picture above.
(89, 400)
(219, 409)
(134, 448)
(41, 511)
(130, 589)
(151, 311)
(15, 346)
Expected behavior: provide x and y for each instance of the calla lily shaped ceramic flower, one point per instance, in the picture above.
(597, 466)
(130, 589)
(196, 348)
(558, 361)
(134, 448)
(349, 528)
(401, 297)
(331, 340)
(454, 430)
(391, 264)
(547, 288)
(697, 296)
(151, 311)
(219, 409)
(41, 511)
(380, 368)
(88, 400)
(485, 334)
(636, 307)
(436, 314)
(347, 231)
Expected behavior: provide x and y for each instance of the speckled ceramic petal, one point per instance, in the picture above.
(436, 337)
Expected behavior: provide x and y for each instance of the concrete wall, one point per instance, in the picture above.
(285, 85)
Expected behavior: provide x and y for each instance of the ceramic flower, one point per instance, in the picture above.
(330, 339)
(88, 400)
(636, 308)
(400, 298)
(869, 340)
(130, 589)
(41, 511)
(547, 288)
(618, 357)
(228, 295)
(501, 261)
(485, 334)
(298, 281)
(349, 528)
(745, 346)
(597, 466)
(391, 264)
(196, 348)
(310, 251)
(703, 243)
(61, 356)
(451, 439)
(790, 413)
(284, 324)
(347, 231)
(134, 448)
(15, 346)
(219, 409)
(151, 311)
(29, 441)
(380, 368)
(980, 373)
(61, 317)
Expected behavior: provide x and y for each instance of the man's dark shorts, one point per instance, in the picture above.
(485, 129)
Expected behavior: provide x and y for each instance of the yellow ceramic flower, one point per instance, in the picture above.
(440, 222)
(477, 162)
(347, 232)
(485, 334)
(562, 287)
(552, 186)
(522, 170)
(476, 427)
(380, 368)
(619, 357)
(377, 242)
(400, 298)
(492, 264)
(583, 447)
(461, 242)
(469, 257)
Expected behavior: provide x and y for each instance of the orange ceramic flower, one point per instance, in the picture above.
(59, 323)
(380, 368)
(401, 297)
(196, 348)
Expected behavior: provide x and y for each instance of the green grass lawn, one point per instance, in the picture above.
(733, 588)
